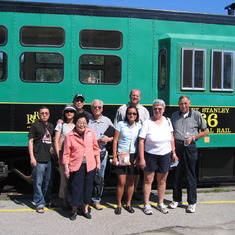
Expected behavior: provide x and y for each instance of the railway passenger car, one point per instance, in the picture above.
(50, 52)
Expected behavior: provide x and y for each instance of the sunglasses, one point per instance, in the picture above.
(132, 114)
(157, 109)
(97, 107)
(69, 111)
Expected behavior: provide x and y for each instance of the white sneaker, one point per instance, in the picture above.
(162, 208)
(148, 209)
(191, 208)
(174, 204)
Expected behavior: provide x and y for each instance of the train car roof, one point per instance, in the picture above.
(107, 11)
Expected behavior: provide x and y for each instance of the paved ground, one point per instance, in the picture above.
(215, 214)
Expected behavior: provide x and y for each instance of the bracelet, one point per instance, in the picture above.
(174, 154)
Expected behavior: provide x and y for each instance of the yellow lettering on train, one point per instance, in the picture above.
(31, 118)
(223, 130)
(215, 110)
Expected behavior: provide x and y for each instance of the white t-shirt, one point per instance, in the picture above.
(157, 137)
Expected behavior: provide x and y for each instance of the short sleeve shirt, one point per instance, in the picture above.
(157, 137)
(128, 139)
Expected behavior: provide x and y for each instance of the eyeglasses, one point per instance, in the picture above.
(69, 111)
(157, 109)
(132, 114)
(183, 103)
(82, 123)
(81, 101)
(97, 107)
(44, 113)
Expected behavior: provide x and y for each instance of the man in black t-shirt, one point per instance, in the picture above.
(40, 140)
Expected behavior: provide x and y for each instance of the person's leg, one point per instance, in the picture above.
(147, 186)
(47, 182)
(130, 180)
(120, 189)
(161, 186)
(38, 197)
(88, 188)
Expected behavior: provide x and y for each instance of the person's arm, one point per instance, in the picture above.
(142, 162)
(33, 161)
(115, 144)
(197, 136)
(66, 171)
(174, 156)
(56, 142)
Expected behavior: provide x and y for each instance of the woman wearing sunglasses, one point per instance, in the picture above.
(61, 130)
(157, 150)
(125, 143)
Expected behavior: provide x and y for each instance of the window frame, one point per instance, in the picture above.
(222, 89)
(193, 88)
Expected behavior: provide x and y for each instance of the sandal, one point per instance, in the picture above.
(40, 210)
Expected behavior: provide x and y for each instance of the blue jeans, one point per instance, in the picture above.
(42, 184)
(101, 173)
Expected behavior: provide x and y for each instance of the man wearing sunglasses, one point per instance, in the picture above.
(101, 125)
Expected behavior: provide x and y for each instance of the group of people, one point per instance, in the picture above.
(139, 142)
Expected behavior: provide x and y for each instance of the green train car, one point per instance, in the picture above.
(50, 52)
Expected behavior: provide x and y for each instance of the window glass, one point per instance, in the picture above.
(222, 70)
(42, 36)
(193, 69)
(3, 66)
(3, 35)
(162, 69)
(97, 69)
(41, 67)
(101, 39)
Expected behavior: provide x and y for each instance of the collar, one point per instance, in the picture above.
(189, 113)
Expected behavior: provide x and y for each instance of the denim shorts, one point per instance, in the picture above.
(158, 163)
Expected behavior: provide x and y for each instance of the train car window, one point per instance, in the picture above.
(3, 66)
(41, 67)
(162, 68)
(3, 35)
(193, 69)
(100, 39)
(42, 36)
(222, 74)
(100, 69)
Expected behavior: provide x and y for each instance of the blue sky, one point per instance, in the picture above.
(203, 6)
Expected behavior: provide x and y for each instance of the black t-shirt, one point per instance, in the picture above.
(42, 135)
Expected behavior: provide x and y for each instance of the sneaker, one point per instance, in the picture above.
(97, 206)
(162, 208)
(148, 209)
(191, 208)
(174, 204)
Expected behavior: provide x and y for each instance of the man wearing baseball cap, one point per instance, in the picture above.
(79, 102)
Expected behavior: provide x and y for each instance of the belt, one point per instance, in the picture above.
(179, 141)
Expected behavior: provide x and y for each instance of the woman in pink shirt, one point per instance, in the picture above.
(81, 159)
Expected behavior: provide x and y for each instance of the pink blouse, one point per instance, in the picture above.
(75, 148)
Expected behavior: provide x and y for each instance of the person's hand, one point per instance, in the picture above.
(175, 158)
(33, 162)
(142, 164)
(98, 166)
(66, 173)
(115, 160)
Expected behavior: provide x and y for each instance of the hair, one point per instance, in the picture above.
(184, 97)
(80, 115)
(96, 100)
(127, 110)
(64, 116)
(159, 102)
(43, 107)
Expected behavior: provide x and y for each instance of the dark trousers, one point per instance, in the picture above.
(80, 186)
(186, 169)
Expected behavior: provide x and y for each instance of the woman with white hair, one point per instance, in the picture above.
(156, 150)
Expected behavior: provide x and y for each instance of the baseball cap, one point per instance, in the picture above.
(69, 107)
(78, 96)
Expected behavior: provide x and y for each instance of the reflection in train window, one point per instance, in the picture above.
(162, 75)
(222, 74)
(193, 69)
(100, 39)
(98, 69)
(3, 35)
(41, 67)
(3, 66)
(42, 36)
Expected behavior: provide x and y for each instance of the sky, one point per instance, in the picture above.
(202, 6)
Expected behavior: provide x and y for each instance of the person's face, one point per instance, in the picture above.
(81, 125)
(69, 114)
(158, 111)
(97, 108)
(135, 97)
(132, 114)
(184, 105)
(79, 103)
(44, 114)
